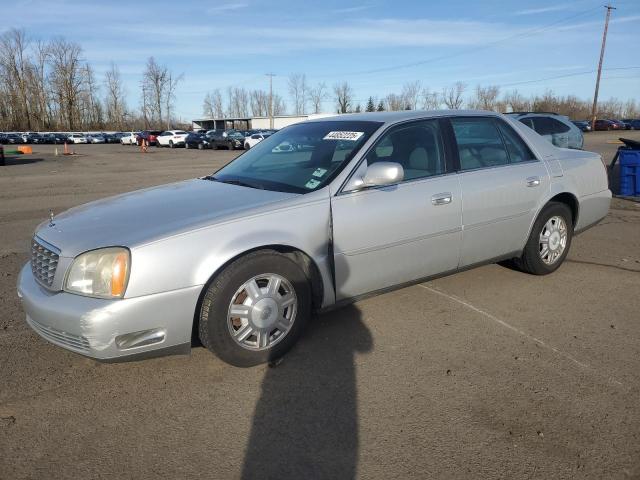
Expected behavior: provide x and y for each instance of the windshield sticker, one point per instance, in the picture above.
(352, 136)
(313, 183)
(319, 172)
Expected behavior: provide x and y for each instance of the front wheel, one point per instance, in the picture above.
(549, 241)
(170, 143)
(256, 309)
(186, 145)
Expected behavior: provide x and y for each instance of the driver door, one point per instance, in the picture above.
(386, 236)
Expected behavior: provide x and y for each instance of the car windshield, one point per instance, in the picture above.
(300, 158)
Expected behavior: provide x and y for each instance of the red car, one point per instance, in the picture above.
(149, 136)
(606, 125)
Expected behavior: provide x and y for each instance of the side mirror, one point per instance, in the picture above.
(382, 173)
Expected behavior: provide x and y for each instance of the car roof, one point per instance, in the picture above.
(402, 115)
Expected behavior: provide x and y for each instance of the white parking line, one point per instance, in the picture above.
(519, 332)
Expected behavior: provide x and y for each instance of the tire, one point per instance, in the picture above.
(246, 146)
(186, 145)
(171, 144)
(200, 146)
(230, 146)
(214, 327)
(531, 260)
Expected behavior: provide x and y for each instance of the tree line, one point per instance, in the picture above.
(47, 85)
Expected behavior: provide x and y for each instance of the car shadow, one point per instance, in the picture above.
(10, 161)
(305, 423)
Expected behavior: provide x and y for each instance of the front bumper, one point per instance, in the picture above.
(104, 329)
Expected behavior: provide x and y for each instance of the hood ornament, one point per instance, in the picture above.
(51, 224)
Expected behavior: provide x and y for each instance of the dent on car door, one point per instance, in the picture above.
(502, 182)
(389, 235)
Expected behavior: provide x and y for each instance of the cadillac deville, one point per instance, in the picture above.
(317, 215)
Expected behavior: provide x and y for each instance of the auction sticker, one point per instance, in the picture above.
(319, 172)
(313, 183)
(352, 136)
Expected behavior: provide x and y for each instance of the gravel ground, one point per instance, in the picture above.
(484, 374)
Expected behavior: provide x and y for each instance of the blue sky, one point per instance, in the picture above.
(374, 45)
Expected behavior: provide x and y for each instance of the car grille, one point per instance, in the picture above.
(59, 337)
(44, 262)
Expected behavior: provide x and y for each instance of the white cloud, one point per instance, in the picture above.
(535, 11)
(227, 7)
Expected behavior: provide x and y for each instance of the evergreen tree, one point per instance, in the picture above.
(358, 109)
(380, 106)
(370, 106)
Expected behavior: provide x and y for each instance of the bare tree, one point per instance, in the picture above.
(259, 102)
(317, 95)
(115, 97)
(343, 96)
(154, 90)
(279, 105)
(298, 90)
(411, 94)
(172, 83)
(452, 96)
(486, 98)
(15, 67)
(515, 102)
(430, 100)
(394, 102)
(67, 79)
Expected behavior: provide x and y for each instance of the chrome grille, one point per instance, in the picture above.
(74, 342)
(44, 261)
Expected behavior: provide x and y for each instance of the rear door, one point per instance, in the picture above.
(390, 235)
(502, 182)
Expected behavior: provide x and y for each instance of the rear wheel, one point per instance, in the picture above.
(549, 241)
(256, 309)
(186, 145)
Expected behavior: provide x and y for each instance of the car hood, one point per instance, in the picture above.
(143, 216)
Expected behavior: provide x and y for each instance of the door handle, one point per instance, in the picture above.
(533, 181)
(441, 198)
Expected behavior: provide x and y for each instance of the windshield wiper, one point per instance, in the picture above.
(231, 182)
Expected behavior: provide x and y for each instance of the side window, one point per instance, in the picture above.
(518, 150)
(417, 146)
(479, 143)
(549, 126)
(558, 126)
(528, 122)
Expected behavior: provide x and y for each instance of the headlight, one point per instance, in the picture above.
(100, 273)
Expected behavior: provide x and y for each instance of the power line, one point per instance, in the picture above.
(567, 75)
(469, 50)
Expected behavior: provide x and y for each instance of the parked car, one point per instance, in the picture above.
(244, 256)
(149, 135)
(603, 124)
(95, 139)
(253, 140)
(13, 138)
(621, 124)
(171, 138)
(583, 125)
(634, 123)
(196, 140)
(128, 138)
(77, 138)
(229, 139)
(557, 129)
(57, 138)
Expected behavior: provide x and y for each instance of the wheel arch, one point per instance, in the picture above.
(304, 260)
(571, 201)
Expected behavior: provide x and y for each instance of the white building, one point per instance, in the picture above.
(248, 123)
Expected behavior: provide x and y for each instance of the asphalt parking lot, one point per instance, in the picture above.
(490, 373)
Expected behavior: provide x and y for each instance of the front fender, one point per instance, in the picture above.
(194, 257)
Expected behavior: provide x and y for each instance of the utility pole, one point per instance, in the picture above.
(270, 75)
(594, 109)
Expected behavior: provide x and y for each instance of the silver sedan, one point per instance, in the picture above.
(317, 215)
